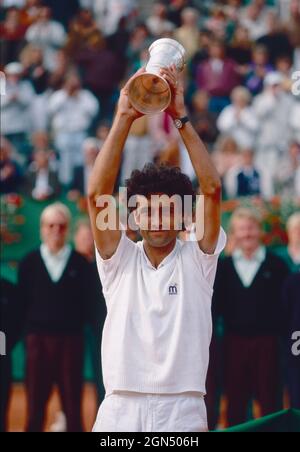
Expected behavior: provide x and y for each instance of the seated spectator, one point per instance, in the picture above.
(293, 24)
(258, 70)
(63, 12)
(91, 147)
(108, 14)
(175, 11)
(41, 180)
(238, 120)
(30, 12)
(226, 155)
(157, 23)
(47, 34)
(139, 41)
(240, 49)
(254, 18)
(138, 149)
(217, 23)
(291, 253)
(243, 180)
(291, 306)
(205, 40)
(286, 174)
(10, 172)
(72, 110)
(188, 33)
(203, 120)
(294, 120)
(276, 40)
(218, 77)
(102, 73)
(15, 108)
(83, 34)
(12, 32)
(248, 296)
(272, 109)
(35, 72)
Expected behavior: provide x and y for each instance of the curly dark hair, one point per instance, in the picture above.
(154, 179)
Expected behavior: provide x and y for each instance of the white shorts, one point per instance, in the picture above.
(138, 412)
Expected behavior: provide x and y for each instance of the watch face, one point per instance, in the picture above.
(178, 124)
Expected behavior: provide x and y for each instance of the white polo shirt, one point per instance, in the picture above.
(158, 328)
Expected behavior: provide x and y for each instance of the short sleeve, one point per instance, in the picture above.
(111, 270)
(207, 263)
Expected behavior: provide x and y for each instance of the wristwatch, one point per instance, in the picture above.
(179, 123)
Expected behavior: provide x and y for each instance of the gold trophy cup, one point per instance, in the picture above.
(150, 93)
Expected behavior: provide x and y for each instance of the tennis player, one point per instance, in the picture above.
(156, 338)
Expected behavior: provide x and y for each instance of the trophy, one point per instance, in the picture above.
(149, 92)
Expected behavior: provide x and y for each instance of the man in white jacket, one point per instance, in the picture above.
(72, 110)
(238, 120)
(15, 107)
(272, 109)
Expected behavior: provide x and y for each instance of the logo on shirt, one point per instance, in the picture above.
(173, 290)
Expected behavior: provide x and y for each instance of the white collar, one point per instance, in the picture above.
(258, 256)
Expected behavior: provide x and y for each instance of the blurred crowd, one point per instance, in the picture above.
(64, 64)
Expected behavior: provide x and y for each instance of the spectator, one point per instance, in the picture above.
(226, 155)
(48, 34)
(157, 23)
(108, 14)
(240, 48)
(238, 120)
(10, 173)
(42, 180)
(139, 41)
(218, 77)
(138, 149)
(85, 245)
(248, 295)
(291, 253)
(15, 108)
(286, 173)
(188, 33)
(176, 9)
(10, 325)
(294, 120)
(272, 109)
(291, 299)
(102, 72)
(258, 70)
(255, 19)
(72, 110)
(83, 34)
(293, 25)
(12, 32)
(91, 149)
(243, 180)
(53, 283)
(203, 120)
(63, 12)
(34, 69)
(276, 40)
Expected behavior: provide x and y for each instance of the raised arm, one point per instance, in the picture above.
(208, 177)
(106, 169)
